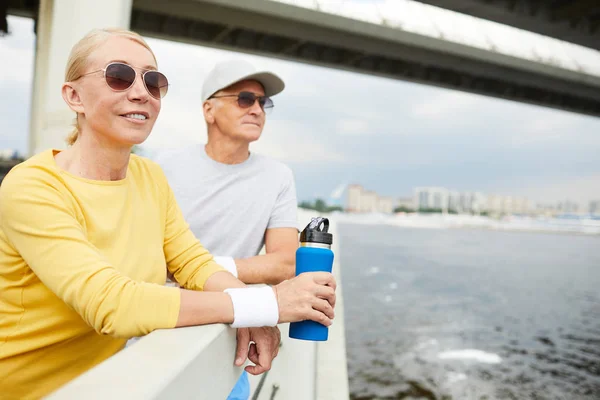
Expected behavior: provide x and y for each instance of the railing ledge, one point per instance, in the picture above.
(161, 365)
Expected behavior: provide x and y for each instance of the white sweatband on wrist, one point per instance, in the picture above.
(254, 307)
(228, 263)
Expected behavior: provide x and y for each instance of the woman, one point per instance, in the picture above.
(85, 234)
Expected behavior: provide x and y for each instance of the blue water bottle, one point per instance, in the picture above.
(313, 255)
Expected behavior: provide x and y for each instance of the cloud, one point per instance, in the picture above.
(287, 140)
(16, 76)
(18, 55)
(21, 65)
(444, 104)
(177, 126)
(548, 126)
(353, 127)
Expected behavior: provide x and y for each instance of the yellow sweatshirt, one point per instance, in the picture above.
(82, 269)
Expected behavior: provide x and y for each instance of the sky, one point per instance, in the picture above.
(336, 127)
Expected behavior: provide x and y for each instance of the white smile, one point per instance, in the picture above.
(141, 117)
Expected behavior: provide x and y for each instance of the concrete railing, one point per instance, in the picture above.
(194, 362)
(197, 363)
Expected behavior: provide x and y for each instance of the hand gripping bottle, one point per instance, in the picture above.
(313, 255)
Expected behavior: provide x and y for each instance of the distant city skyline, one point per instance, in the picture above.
(355, 197)
(333, 127)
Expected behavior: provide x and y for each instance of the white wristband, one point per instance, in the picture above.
(228, 263)
(254, 307)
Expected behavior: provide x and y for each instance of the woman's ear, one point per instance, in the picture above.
(208, 110)
(71, 96)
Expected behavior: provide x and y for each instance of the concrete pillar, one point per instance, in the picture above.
(61, 24)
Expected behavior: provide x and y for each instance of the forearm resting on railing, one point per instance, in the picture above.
(279, 262)
(270, 268)
(308, 296)
(210, 306)
(202, 308)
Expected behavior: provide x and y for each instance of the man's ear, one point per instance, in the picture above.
(71, 97)
(208, 110)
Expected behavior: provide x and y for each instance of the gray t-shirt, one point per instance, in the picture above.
(229, 207)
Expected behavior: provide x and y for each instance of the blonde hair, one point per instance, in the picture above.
(79, 59)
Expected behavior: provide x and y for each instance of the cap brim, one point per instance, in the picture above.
(272, 83)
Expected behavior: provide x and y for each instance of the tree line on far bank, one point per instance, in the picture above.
(432, 211)
(319, 205)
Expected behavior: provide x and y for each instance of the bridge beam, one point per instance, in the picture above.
(575, 21)
(299, 34)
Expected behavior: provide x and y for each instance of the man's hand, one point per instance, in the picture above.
(262, 352)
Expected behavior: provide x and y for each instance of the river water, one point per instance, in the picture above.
(470, 314)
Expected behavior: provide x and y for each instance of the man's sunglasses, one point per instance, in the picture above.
(120, 77)
(247, 100)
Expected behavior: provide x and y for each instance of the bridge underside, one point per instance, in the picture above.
(575, 21)
(298, 34)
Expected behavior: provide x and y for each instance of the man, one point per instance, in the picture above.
(236, 201)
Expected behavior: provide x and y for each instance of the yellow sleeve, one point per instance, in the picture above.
(42, 226)
(189, 262)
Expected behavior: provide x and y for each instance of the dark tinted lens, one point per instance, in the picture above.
(156, 83)
(246, 99)
(119, 76)
(265, 102)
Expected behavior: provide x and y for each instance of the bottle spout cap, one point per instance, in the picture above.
(317, 232)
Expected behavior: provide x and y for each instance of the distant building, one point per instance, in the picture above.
(478, 203)
(465, 201)
(521, 205)
(354, 195)
(369, 201)
(594, 207)
(439, 199)
(422, 198)
(446, 200)
(431, 197)
(9, 154)
(473, 202)
(567, 206)
(507, 205)
(454, 202)
(495, 204)
(500, 205)
(358, 199)
(385, 204)
(545, 209)
(405, 202)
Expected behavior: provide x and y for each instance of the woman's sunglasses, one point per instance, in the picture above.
(247, 100)
(120, 77)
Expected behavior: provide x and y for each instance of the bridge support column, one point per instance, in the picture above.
(61, 23)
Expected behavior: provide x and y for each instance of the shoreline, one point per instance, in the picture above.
(585, 227)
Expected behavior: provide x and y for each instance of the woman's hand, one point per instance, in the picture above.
(309, 296)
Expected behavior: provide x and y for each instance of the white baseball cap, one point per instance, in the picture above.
(226, 73)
